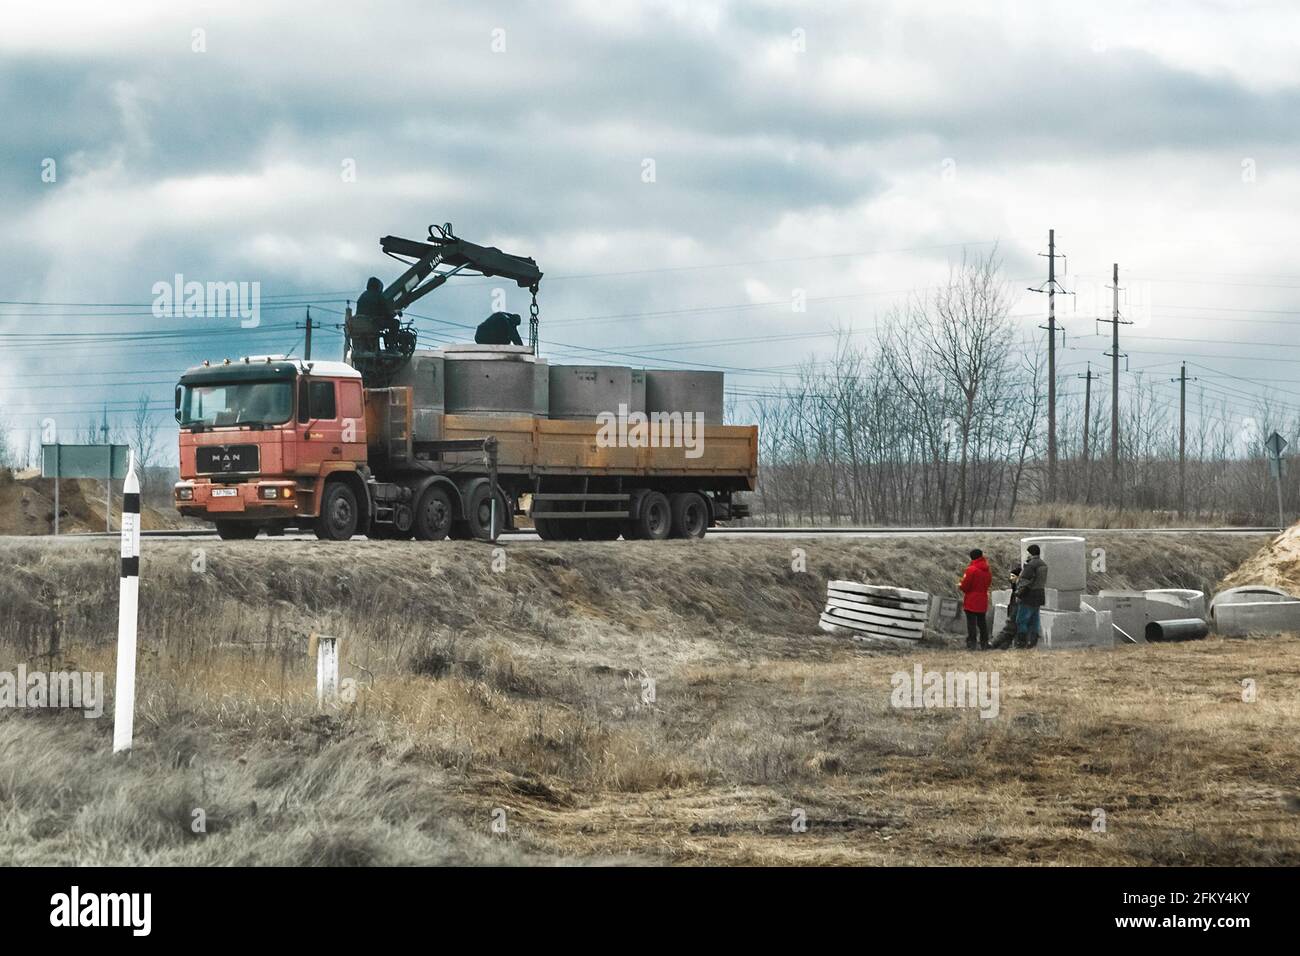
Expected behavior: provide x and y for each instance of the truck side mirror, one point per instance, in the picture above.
(304, 413)
(178, 404)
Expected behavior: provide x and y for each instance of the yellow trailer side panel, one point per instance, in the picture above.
(551, 446)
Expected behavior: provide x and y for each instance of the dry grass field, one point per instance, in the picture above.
(518, 695)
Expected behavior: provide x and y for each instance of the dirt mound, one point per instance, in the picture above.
(1277, 564)
(27, 506)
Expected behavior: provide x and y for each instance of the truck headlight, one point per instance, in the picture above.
(184, 494)
(269, 492)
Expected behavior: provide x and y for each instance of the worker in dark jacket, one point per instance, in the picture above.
(375, 316)
(499, 328)
(1008, 633)
(1031, 592)
(974, 584)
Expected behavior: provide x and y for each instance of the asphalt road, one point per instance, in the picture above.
(733, 533)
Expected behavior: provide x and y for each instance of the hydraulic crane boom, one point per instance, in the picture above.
(436, 259)
(444, 249)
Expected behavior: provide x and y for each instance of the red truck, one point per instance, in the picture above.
(396, 443)
(273, 443)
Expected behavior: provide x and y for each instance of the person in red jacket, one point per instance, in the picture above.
(974, 584)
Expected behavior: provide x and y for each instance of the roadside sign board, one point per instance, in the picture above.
(84, 461)
(1275, 444)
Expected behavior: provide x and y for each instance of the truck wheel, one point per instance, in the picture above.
(630, 525)
(545, 529)
(655, 520)
(237, 530)
(338, 513)
(690, 515)
(478, 514)
(433, 514)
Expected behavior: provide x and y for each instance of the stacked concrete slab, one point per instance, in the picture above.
(875, 611)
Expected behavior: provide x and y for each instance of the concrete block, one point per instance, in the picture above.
(1063, 600)
(1069, 629)
(1128, 613)
(946, 615)
(1257, 617)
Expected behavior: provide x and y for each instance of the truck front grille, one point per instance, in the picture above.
(226, 459)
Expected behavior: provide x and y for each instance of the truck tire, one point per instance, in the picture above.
(237, 530)
(655, 520)
(478, 514)
(690, 515)
(433, 514)
(338, 513)
(545, 528)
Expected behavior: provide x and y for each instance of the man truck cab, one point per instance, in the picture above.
(268, 442)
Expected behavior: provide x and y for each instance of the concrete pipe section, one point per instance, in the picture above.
(1188, 629)
(495, 380)
(1183, 602)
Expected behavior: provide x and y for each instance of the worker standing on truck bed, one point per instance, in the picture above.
(375, 316)
(499, 328)
(974, 584)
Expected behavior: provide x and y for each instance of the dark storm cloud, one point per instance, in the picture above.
(760, 151)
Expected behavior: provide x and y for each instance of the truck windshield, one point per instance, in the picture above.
(237, 403)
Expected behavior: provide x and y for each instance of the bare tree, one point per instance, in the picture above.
(969, 339)
(144, 438)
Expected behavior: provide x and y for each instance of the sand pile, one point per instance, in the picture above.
(1277, 564)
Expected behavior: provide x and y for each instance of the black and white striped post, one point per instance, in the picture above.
(127, 609)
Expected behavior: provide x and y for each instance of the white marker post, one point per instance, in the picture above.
(127, 611)
(327, 670)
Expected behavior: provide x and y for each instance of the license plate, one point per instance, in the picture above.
(224, 492)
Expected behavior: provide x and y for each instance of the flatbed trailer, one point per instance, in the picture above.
(345, 460)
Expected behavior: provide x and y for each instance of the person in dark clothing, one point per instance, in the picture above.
(974, 584)
(499, 328)
(374, 316)
(1007, 635)
(1031, 592)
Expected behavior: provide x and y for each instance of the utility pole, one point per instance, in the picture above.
(1182, 381)
(306, 346)
(1087, 407)
(1051, 288)
(1087, 423)
(108, 484)
(1114, 354)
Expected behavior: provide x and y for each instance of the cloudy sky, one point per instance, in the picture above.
(678, 170)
